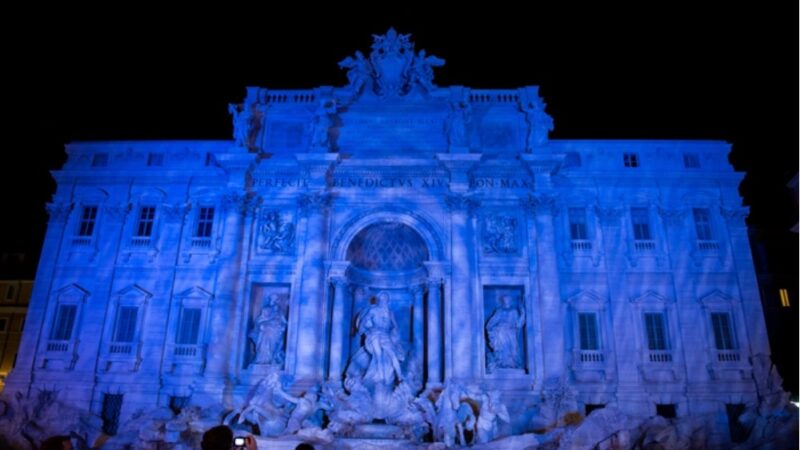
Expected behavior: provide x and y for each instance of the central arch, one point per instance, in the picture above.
(387, 252)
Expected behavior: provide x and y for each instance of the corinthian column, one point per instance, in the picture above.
(434, 341)
(340, 300)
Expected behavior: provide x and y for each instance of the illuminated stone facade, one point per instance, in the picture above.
(392, 233)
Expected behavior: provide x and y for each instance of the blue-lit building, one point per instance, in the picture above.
(583, 273)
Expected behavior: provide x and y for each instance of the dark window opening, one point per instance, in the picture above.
(738, 432)
(112, 405)
(666, 411)
(589, 407)
(177, 403)
(631, 160)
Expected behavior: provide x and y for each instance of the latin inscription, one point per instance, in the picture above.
(393, 183)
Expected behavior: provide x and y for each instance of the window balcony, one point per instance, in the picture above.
(660, 356)
(82, 241)
(58, 346)
(591, 356)
(581, 245)
(186, 351)
(201, 242)
(120, 348)
(140, 242)
(644, 246)
(707, 246)
(728, 356)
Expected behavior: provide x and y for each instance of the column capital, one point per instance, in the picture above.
(735, 215)
(608, 215)
(462, 202)
(672, 216)
(58, 212)
(313, 200)
(541, 203)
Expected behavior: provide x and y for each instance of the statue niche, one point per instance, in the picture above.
(383, 356)
(268, 332)
(504, 329)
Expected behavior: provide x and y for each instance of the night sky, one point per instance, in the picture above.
(728, 74)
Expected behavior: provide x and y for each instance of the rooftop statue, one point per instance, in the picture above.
(540, 124)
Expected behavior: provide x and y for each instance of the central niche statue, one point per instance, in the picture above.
(502, 328)
(379, 328)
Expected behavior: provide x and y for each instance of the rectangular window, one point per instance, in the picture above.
(588, 331)
(723, 332)
(702, 224)
(3, 325)
(65, 320)
(691, 161)
(100, 160)
(631, 159)
(189, 327)
(641, 224)
(785, 298)
(144, 224)
(88, 217)
(205, 221)
(577, 223)
(656, 331)
(11, 291)
(155, 159)
(126, 324)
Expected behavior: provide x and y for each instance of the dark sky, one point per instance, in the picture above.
(729, 74)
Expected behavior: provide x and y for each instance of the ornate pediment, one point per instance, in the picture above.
(393, 68)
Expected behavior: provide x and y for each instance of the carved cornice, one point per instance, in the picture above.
(58, 212)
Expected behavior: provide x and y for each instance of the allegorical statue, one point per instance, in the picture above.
(503, 328)
(491, 412)
(456, 124)
(539, 125)
(422, 70)
(359, 73)
(321, 124)
(268, 332)
(381, 342)
(243, 124)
